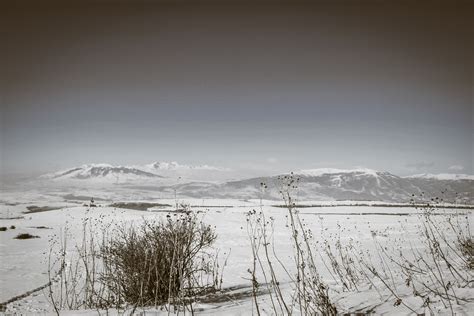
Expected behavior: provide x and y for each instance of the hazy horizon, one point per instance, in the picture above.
(269, 88)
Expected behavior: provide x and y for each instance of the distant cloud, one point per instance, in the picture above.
(420, 165)
(272, 160)
(456, 168)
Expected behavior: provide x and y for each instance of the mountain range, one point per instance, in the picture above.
(315, 184)
(164, 171)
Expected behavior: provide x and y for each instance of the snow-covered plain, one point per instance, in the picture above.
(24, 262)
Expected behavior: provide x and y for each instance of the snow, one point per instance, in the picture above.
(173, 165)
(23, 262)
(79, 168)
(97, 173)
(163, 179)
(23, 265)
(323, 171)
(443, 176)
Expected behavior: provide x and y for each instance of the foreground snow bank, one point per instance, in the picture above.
(24, 267)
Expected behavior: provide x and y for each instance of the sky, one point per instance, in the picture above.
(266, 87)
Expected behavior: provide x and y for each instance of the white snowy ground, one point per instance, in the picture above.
(23, 262)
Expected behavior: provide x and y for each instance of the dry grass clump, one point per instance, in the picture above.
(158, 262)
(163, 263)
(467, 249)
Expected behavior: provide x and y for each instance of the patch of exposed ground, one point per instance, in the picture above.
(138, 206)
(38, 209)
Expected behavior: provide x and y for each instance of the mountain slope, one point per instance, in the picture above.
(169, 172)
(443, 176)
(178, 173)
(315, 184)
(173, 165)
(337, 184)
(102, 173)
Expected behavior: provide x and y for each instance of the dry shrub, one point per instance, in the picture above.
(467, 249)
(163, 263)
(158, 261)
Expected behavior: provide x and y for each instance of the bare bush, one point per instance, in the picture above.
(147, 264)
(159, 262)
(466, 247)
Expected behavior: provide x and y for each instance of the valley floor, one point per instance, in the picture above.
(24, 262)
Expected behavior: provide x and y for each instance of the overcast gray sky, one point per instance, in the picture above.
(270, 87)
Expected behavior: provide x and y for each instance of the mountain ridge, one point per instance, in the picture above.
(314, 184)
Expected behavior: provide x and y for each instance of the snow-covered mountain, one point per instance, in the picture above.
(325, 171)
(180, 173)
(367, 184)
(314, 184)
(173, 165)
(168, 172)
(342, 185)
(102, 173)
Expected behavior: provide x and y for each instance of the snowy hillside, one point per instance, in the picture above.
(315, 184)
(443, 176)
(169, 172)
(173, 165)
(340, 185)
(101, 173)
(180, 173)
